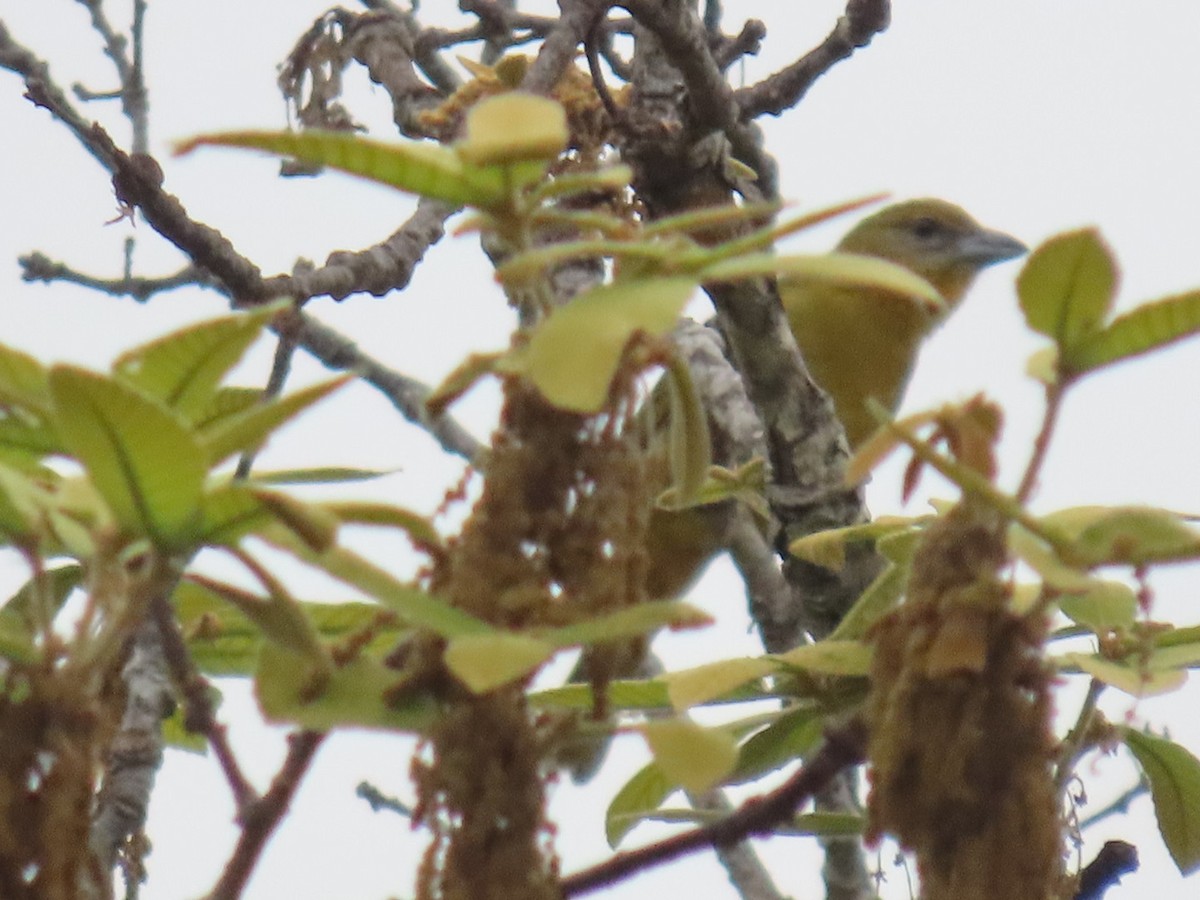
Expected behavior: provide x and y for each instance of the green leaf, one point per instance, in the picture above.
(419, 168)
(829, 657)
(24, 381)
(1136, 680)
(486, 661)
(689, 446)
(788, 738)
(828, 548)
(248, 430)
(880, 597)
(1102, 605)
(26, 440)
(694, 757)
(629, 622)
(139, 455)
(639, 695)
(227, 402)
(1126, 535)
(414, 606)
(310, 522)
(848, 269)
(1139, 331)
(354, 695)
(58, 584)
(1067, 286)
(222, 641)
(1174, 776)
(278, 617)
(229, 512)
(318, 475)
(641, 795)
(692, 687)
(514, 127)
(420, 529)
(184, 369)
(573, 355)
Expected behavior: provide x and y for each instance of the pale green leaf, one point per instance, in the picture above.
(785, 740)
(513, 127)
(414, 606)
(1129, 535)
(24, 382)
(830, 657)
(1174, 775)
(880, 597)
(1067, 286)
(573, 355)
(317, 475)
(420, 529)
(1101, 605)
(1137, 680)
(354, 695)
(691, 687)
(846, 269)
(694, 757)
(184, 369)
(249, 429)
(139, 455)
(486, 661)
(1138, 331)
(629, 622)
(637, 798)
(228, 513)
(279, 618)
(633, 695)
(689, 447)
(419, 168)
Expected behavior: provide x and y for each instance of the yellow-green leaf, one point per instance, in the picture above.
(691, 687)
(249, 429)
(420, 529)
(1101, 605)
(1067, 286)
(486, 661)
(354, 695)
(689, 447)
(414, 606)
(791, 736)
(1174, 775)
(1139, 331)
(184, 369)
(830, 658)
(629, 622)
(228, 513)
(513, 127)
(279, 618)
(24, 381)
(419, 168)
(1130, 535)
(139, 455)
(638, 797)
(1139, 681)
(573, 355)
(692, 756)
(310, 522)
(848, 269)
(636, 695)
(878, 599)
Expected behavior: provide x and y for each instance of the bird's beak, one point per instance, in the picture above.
(984, 248)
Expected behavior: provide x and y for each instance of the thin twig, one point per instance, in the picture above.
(262, 817)
(781, 91)
(199, 715)
(1041, 445)
(1076, 742)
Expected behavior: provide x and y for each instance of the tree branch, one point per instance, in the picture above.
(844, 746)
(862, 20)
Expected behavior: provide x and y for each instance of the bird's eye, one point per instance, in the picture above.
(926, 227)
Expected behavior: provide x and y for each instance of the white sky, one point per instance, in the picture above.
(1035, 115)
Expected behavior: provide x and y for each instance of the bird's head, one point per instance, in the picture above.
(935, 239)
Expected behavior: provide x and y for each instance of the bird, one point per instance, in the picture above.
(858, 344)
(862, 343)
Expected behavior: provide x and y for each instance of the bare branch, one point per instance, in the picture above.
(862, 20)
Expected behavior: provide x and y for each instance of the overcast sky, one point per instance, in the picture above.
(1035, 115)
